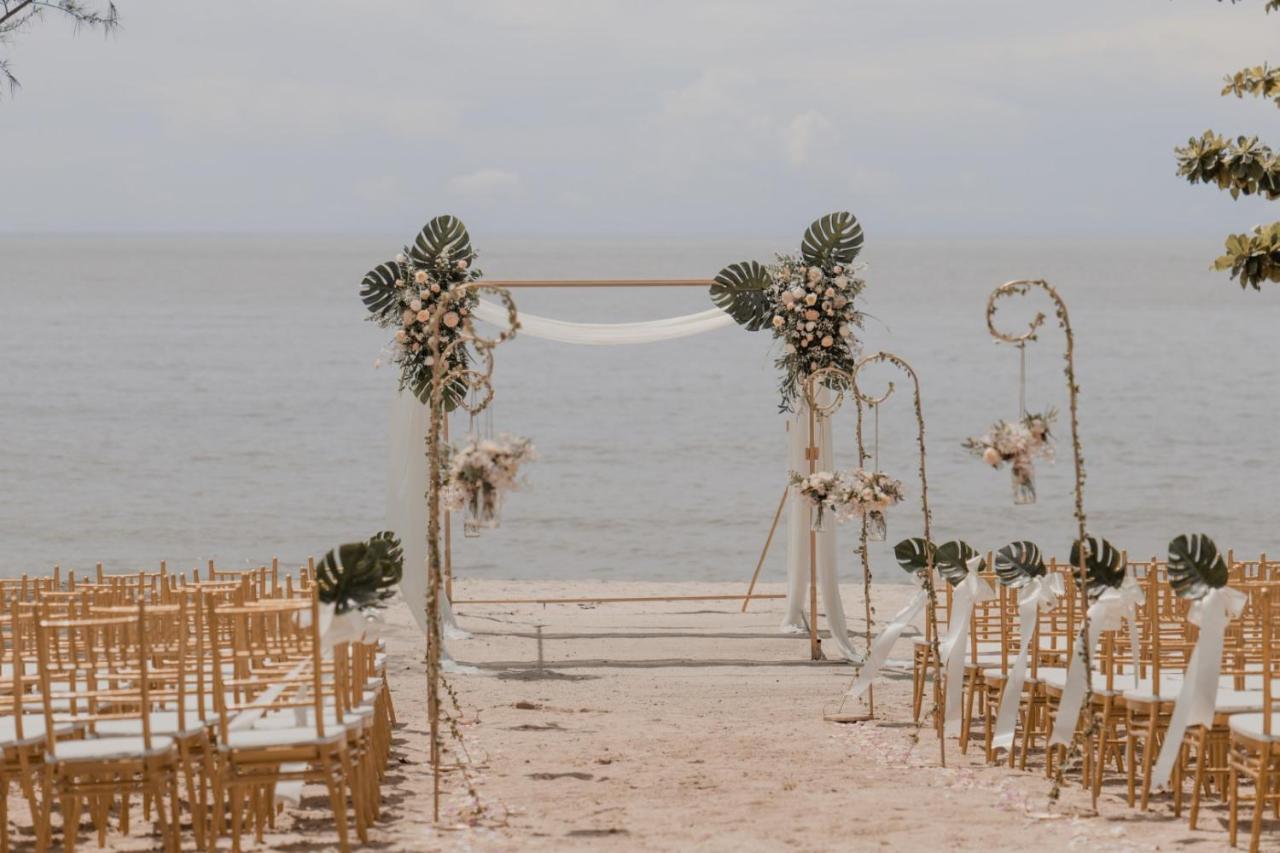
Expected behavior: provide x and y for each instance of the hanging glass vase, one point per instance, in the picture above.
(1024, 483)
(484, 510)
(876, 529)
(818, 518)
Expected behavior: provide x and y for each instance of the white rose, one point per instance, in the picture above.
(407, 318)
(420, 277)
(815, 274)
(451, 319)
(778, 322)
(991, 456)
(841, 282)
(415, 306)
(789, 349)
(827, 340)
(402, 336)
(399, 282)
(424, 316)
(462, 265)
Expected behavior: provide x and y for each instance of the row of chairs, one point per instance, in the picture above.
(1139, 670)
(207, 699)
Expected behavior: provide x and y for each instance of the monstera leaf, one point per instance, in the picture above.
(952, 560)
(361, 574)
(1102, 562)
(443, 237)
(1195, 566)
(834, 239)
(1018, 562)
(915, 554)
(740, 291)
(378, 287)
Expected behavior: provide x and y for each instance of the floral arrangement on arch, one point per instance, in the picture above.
(1019, 443)
(850, 494)
(806, 299)
(402, 294)
(480, 472)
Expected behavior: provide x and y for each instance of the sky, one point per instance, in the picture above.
(977, 119)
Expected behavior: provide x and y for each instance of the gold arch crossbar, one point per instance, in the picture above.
(604, 282)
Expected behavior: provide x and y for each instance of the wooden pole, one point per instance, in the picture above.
(448, 535)
(765, 551)
(815, 645)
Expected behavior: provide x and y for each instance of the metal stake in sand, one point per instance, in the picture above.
(477, 379)
(932, 617)
(1021, 288)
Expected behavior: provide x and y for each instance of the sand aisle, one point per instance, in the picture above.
(689, 725)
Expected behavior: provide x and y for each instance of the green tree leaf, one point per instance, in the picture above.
(952, 560)
(741, 292)
(445, 239)
(834, 239)
(914, 555)
(1195, 566)
(1018, 562)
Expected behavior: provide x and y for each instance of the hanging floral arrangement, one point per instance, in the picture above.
(1019, 443)
(806, 299)
(851, 494)
(478, 475)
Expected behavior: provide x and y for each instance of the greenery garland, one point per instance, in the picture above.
(806, 299)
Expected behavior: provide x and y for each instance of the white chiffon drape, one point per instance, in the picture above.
(406, 513)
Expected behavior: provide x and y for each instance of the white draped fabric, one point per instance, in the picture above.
(407, 510)
(799, 513)
(607, 334)
(406, 514)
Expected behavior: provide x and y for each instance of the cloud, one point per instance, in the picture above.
(485, 184)
(801, 134)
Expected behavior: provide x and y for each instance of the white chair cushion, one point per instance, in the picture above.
(298, 736)
(162, 723)
(32, 729)
(97, 749)
(1237, 701)
(1250, 725)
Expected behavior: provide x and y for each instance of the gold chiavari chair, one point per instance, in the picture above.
(106, 661)
(1254, 745)
(253, 759)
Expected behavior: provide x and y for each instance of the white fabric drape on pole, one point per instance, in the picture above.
(407, 511)
(607, 334)
(799, 512)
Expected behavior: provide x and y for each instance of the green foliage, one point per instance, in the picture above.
(952, 560)
(834, 239)
(915, 555)
(1104, 565)
(741, 291)
(361, 574)
(1243, 167)
(1260, 80)
(1018, 562)
(442, 242)
(1254, 258)
(1195, 566)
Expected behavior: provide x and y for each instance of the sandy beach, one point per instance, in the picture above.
(680, 725)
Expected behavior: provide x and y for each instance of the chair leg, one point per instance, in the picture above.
(237, 794)
(1233, 804)
(338, 801)
(1261, 787)
(70, 822)
(1149, 749)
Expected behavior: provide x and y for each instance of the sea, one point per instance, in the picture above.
(194, 398)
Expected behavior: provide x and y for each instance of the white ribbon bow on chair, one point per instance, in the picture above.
(884, 643)
(955, 648)
(1040, 593)
(1198, 695)
(1109, 612)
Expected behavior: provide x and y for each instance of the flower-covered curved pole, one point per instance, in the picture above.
(447, 372)
(931, 590)
(864, 553)
(1022, 287)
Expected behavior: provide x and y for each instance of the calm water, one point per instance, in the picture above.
(188, 399)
